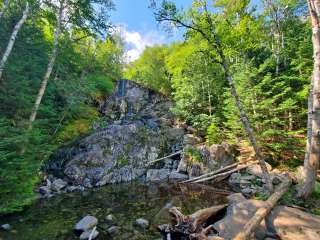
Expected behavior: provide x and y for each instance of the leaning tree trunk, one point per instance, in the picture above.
(248, 128)
(4, 7)
(51, 63)
(311, 163)
(13, 37)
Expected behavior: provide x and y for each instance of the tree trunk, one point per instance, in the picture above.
(13, 37)
(311, 163)
(51, 63)
(255, 221)
(4, 7)
(248, 128)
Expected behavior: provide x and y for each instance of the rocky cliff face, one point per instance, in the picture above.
(139, 130)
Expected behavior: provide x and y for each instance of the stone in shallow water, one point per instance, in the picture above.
(59, 184)
(86, 223)
(113, 230)
(86, 235)
(44, 190)
(142, 223)
(6, 227)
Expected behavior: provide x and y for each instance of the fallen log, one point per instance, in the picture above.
(217, 171)
(163, 158)
(221, 176)
(255, 221)
(195, 225)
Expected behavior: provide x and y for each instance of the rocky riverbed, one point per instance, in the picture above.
(55, 218)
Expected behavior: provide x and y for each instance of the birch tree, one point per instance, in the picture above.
(51, 63)
(201, 21)
(311, 162)
(13, 37)
(72, 15)
(4, 7)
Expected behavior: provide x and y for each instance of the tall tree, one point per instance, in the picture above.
(52, 60)
(312, 159)
(203, 22)
(13, 37)
(81, 15)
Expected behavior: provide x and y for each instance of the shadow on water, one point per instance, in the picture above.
(54, 218)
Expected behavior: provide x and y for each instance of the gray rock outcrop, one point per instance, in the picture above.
(139, 129)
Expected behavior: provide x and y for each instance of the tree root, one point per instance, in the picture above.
(194, 226)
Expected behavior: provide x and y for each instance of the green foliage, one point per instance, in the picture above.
(193, 155)
(82, 76)
(150, 69)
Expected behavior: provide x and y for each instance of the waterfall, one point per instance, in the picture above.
(122, 88)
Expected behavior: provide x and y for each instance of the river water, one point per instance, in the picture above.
(54, 218)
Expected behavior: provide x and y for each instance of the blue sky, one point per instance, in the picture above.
(139, 28)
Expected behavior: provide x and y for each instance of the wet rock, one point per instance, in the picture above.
(44, 190)
(141, 222)
(72, 188)
(109, 218)
(86, 223)
(58, 185)
(176, 176)
(113, 230)
(156, 175)
(87, 183)
(139, 130)
(6, 227)
(86, 234)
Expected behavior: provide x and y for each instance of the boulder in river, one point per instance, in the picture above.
(6, 227)
(58, 184)
(86, 223)
(141, 222)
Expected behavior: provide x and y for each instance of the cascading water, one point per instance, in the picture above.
(122, 87)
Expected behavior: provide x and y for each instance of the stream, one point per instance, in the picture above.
(54, 218)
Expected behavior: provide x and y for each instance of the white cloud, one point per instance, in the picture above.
(136, 42)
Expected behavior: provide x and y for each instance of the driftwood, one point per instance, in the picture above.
(194, 226)
(263, 212)
(163, 158)
(221, 176)
(217, 171)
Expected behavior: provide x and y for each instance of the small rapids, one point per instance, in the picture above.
(54, 218)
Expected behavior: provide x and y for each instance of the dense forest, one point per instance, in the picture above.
(243, 69)
(83, 71)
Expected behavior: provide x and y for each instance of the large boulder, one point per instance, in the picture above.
(200, 159)
(283, 222)
(85, 224)
(136, 134)
(238, 214)
(294, 224)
